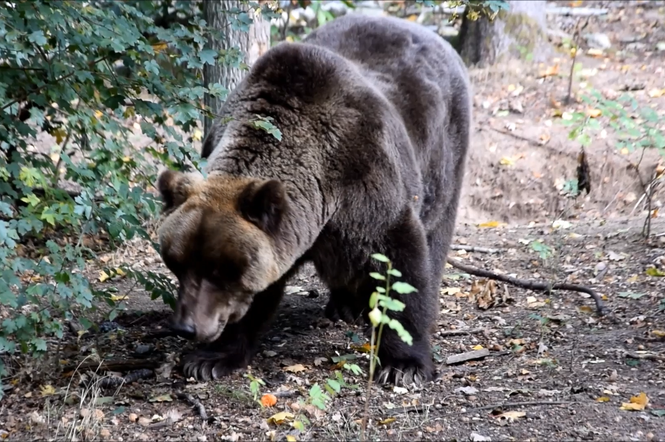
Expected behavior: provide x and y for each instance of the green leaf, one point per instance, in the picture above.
(651, 271)
(208, 56)
(380, 257)
(265, 124)
(403, 288)
(378, 276)
(38, 38)
(334, 385)
(395, 273)
(401, 332)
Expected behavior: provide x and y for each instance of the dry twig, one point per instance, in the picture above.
(191, 400)
(519, 404)
(473, 249)
(528, 284)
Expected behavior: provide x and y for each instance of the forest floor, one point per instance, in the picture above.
(553, 369)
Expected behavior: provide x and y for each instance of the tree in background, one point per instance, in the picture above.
(242, 41)
(518, 29)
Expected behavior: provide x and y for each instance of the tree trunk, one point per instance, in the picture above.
(253, 44)
(520, 32)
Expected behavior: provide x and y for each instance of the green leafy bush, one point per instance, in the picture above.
(78, 80)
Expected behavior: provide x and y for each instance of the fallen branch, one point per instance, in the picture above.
(528, 284)
(194, 403)
(473, 249)
(519, 404)
(464, 331)
(643, 356)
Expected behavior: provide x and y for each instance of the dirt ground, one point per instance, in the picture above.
(553, 369)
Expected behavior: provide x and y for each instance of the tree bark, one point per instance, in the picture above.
(520, 32)
(219, 14)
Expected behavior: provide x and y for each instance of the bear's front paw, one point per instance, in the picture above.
(403, 374)
(208, 365)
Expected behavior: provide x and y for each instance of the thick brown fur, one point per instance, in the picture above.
(375, 116)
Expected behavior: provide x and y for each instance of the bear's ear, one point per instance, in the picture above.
(264, 204)
(175, 188)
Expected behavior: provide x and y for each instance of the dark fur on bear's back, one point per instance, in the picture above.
(375, 116)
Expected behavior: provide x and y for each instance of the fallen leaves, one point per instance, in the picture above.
(297, 368)
(268, 400)
(637, 403)
(511, 416)
(280, 418)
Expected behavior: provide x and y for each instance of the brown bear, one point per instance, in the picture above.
(375, 116)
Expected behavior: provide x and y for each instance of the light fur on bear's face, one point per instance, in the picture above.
(216, 239)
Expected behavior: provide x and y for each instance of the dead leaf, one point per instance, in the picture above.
(387, 421)
(47, 390)
(478, 347)
(549, 71)
(603, 399)
(103, 276)
(280, 418)
(490, 224)
(295, 368)
(594, 113)
(658, 333)
(161, 398)
(291, 438)
(319, 361)
(637, 403)
(652, 271)
(268, 400)
(511, 415)
(365, 348)
(450, 290)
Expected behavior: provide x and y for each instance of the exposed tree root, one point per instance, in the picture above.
(528, 284)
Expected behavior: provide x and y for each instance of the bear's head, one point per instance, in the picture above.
(218, 239)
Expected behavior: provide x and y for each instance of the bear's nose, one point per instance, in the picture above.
(184, 329)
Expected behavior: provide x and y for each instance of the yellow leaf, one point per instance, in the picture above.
(489, 224)
(47, 390)
(652, 271)
(120, 272)
(659, 333)
(129, 112)
(603, 399)
(126, 159)
(103, 276)
(594, 113)
(98, 114)
(637, 403)
(280, 418)
(59, 134)
(585, 309)
(159, 47)
(478, 347)
(505, 161)
(450, 290)
(655, 93)
(632, 279)
(387, 421)
(413, 17)
(295, 368)
(197, 135)
(290, 438)
(116, 298)
(595, 52)
(365, 348)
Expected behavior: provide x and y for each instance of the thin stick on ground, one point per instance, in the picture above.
(520, 404)
(194, 403)
(464, 331)
(473, 249)
(530, 285)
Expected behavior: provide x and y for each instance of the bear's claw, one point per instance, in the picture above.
(405, 375)
(205, 365)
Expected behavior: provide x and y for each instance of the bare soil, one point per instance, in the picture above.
(555, 370)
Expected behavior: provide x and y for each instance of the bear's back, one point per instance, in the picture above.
(415, 69)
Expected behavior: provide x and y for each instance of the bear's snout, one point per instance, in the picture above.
(184, 329)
